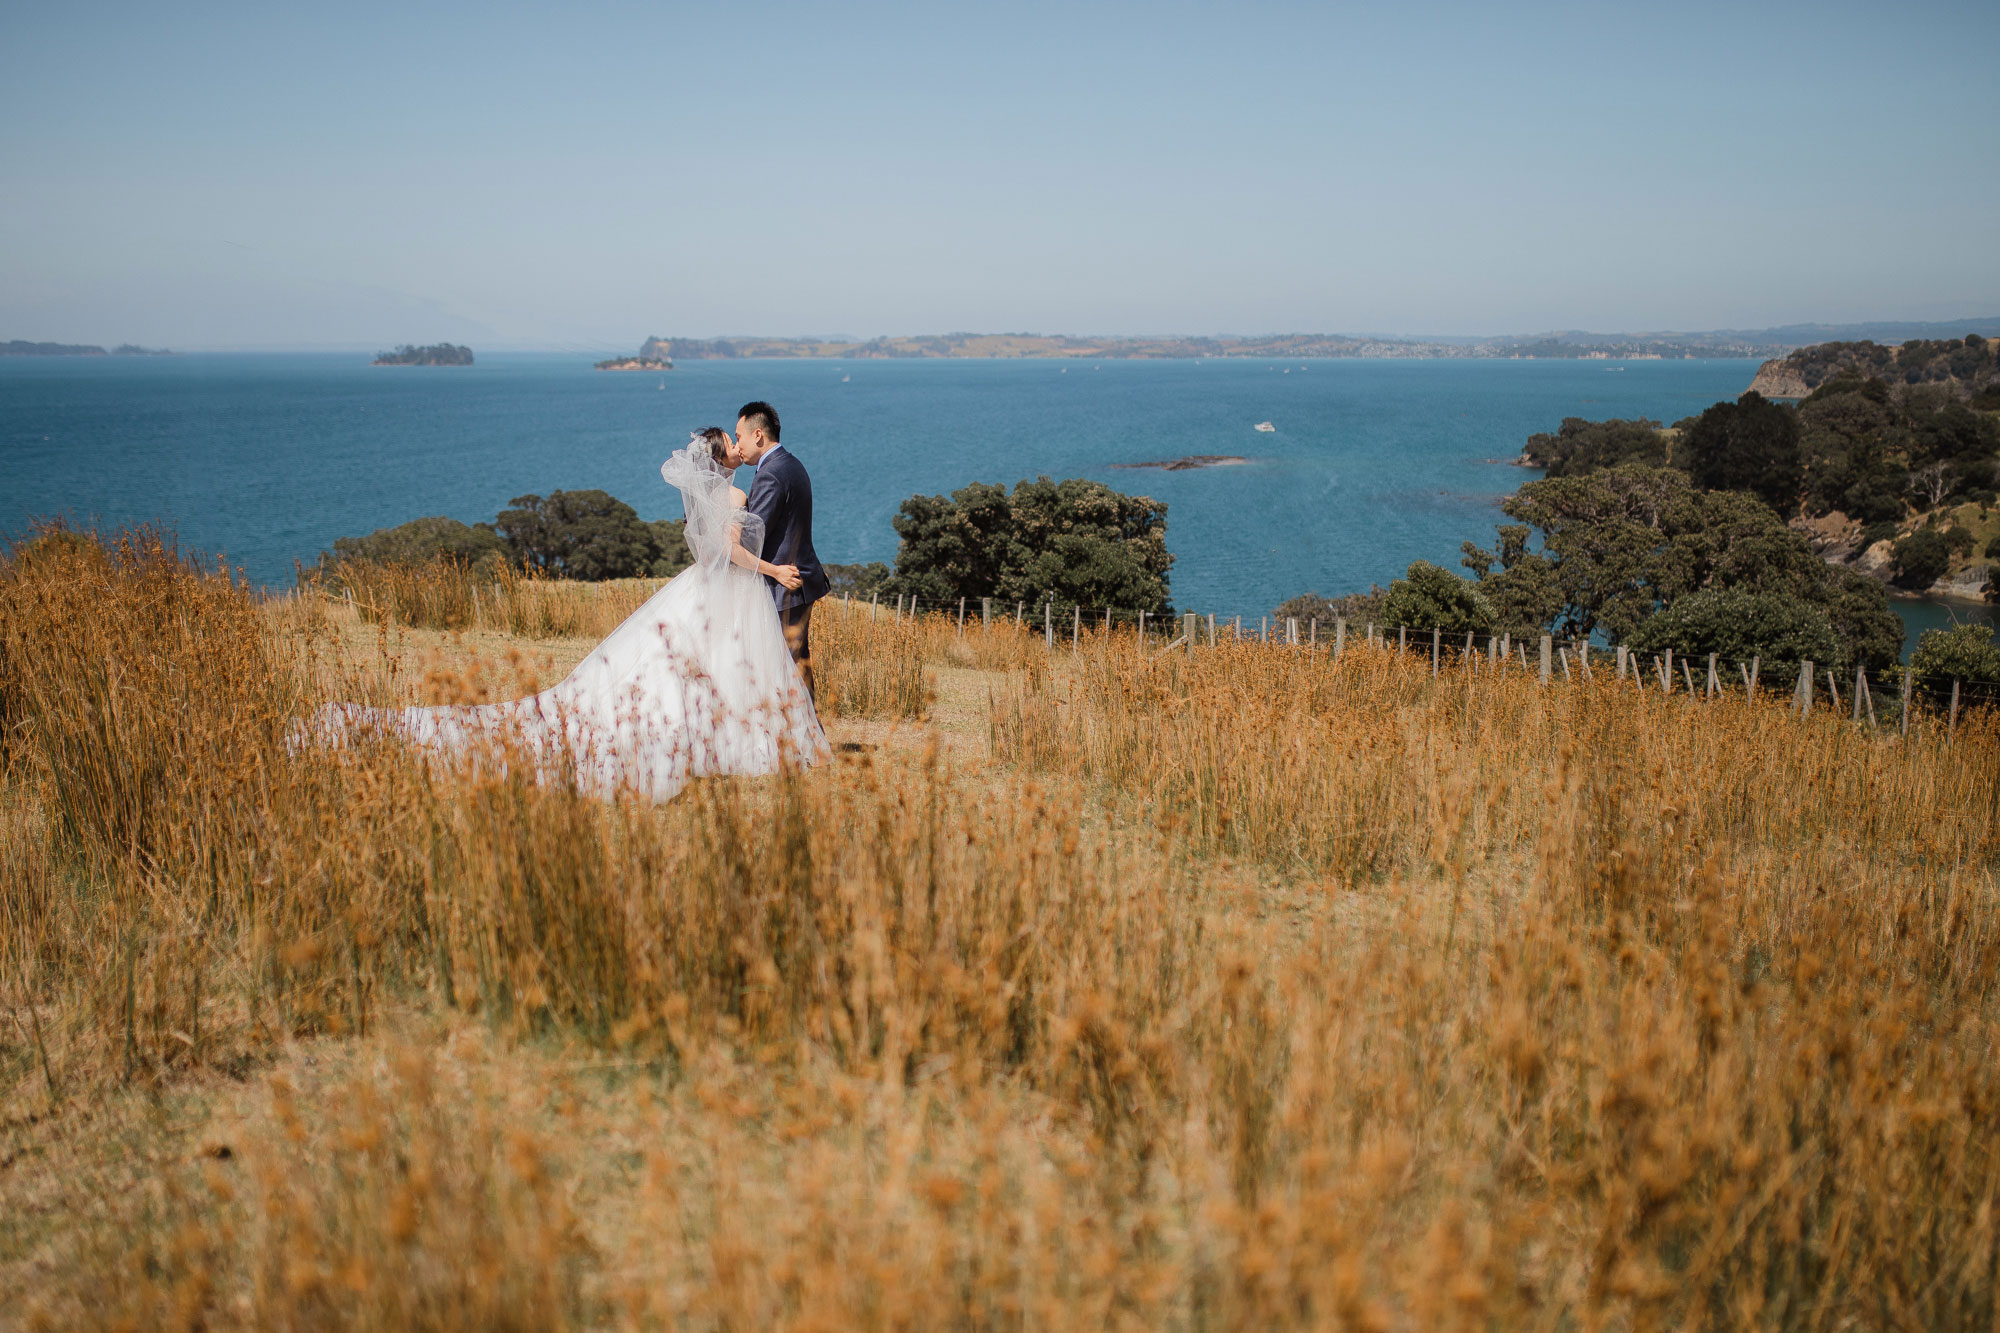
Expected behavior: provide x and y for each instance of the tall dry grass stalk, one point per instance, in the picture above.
(1648, 1014)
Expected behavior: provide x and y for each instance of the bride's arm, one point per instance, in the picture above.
(740, 555)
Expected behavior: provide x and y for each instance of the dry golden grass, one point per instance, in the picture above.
(447, 595)
(1239, 989)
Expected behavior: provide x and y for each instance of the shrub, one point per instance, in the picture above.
(1964, 652)
(422, 540)
(1737, 625)
(1358, 607)
(1431, 597)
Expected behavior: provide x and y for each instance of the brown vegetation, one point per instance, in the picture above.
(1237, 989)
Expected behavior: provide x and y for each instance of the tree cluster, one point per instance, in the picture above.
(1076, 542)
(1580, 446)
(586, 535)
(1619, 547)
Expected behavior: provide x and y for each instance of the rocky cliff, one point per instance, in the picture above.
(1780, 378)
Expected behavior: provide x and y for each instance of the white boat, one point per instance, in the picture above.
(1266, 427)
(845, 378)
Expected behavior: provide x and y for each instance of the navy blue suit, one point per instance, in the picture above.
(782, 496)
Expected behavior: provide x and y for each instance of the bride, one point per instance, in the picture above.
(696, 682)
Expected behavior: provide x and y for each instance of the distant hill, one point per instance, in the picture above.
(20, 348)
(1566, 345)
(438, 354)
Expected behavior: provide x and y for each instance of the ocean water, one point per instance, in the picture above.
(265, 459)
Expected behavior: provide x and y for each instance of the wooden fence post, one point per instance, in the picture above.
(1292, 630)
(1548, 646)
(1622, 651)
(1020, 611)
(1264, 630)
(1237, 630)
(1565, 661)
(1467, 662)
(1402, 639)
(986, 613)
(1860, 685)
(1312, 640)
(874, 606)
(1076, 630)
(1211, 629)
(1192, 626)
(1049, 624)
(1755, 662)
(1951, 727)
(1437, 646)
(1803, 693)
(899, 608)
(1906, 702)
(1832, 690)
(961, 617)
(1493, 652)
(1339, 636)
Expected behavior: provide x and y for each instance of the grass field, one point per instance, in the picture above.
(1101, 988)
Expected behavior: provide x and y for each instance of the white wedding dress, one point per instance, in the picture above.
(697, 682)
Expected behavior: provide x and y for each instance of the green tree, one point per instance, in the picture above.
(1738, 625)
(1921, 559)
(584, 535)
(1432, 597)
(1749, 445)
(422, 540)
(1869, 631)
(1580, 446)
(1077, 541)
(670, 549)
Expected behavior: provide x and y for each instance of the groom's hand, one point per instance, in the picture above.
(789, 576)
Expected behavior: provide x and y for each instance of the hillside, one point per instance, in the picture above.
(1087, 985)
(1968, 365)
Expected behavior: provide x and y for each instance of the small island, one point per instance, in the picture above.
(635, 363)
(1189, 463)
(133, 349)
(22, 347)
(438, 354)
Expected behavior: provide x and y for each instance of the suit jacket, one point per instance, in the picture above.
(782, 496)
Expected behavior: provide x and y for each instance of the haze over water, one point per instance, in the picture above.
(1373, 463)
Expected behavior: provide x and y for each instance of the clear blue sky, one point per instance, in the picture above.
(583, 175)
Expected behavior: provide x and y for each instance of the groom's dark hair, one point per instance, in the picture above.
(761, 414)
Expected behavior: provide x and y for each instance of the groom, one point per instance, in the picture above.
(782, 496)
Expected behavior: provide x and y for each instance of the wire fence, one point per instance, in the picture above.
(1893, 696)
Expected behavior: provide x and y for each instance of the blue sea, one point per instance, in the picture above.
(265, 459)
